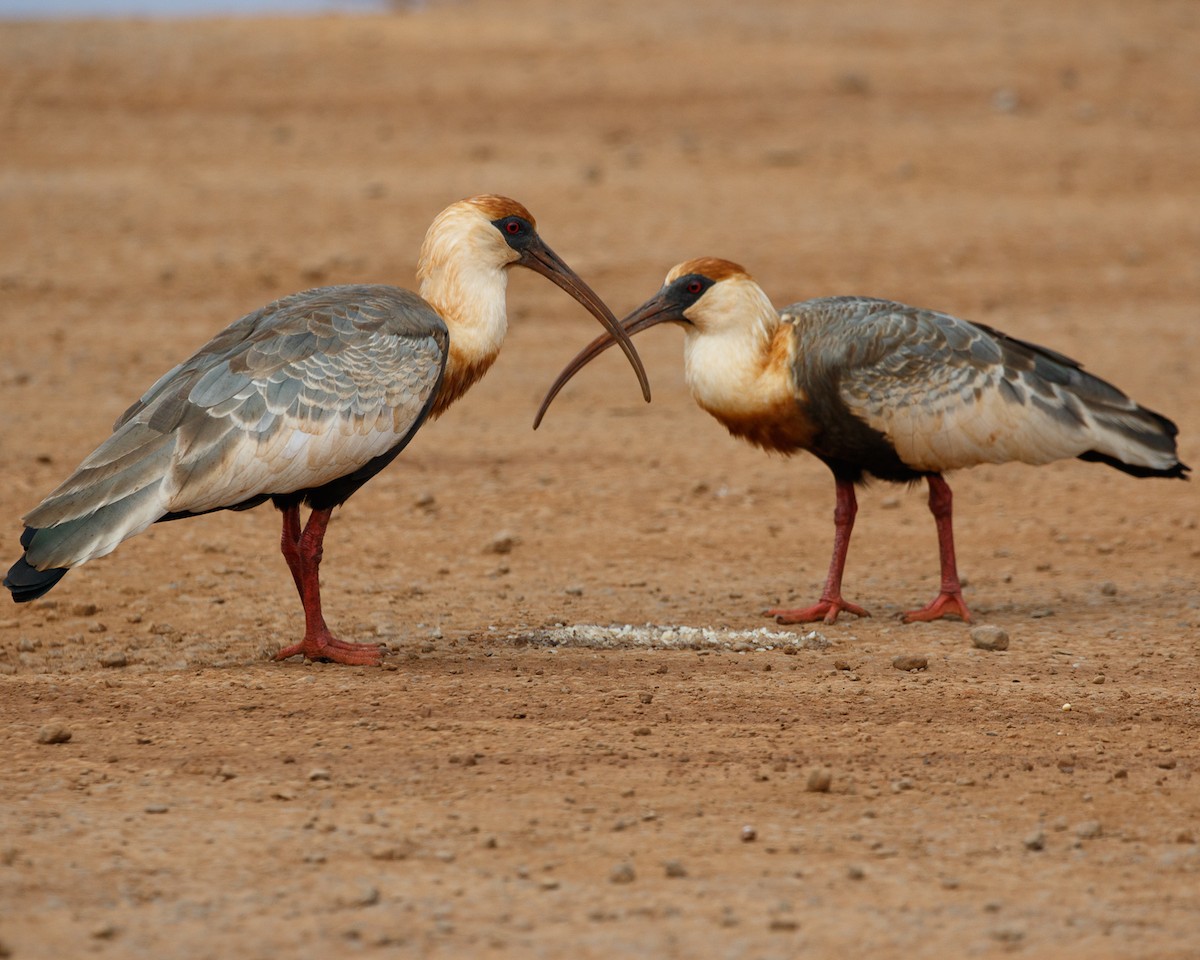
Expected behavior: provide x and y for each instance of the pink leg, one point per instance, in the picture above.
(831, 602)
(289, 544)
(950, 600)
(303, 555)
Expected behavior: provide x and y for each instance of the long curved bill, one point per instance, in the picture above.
(654, 311)
(541, 259)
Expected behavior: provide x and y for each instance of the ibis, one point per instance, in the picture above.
(878, 389)
(300, 403)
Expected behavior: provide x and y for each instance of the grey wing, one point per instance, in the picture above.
(947, 393)
(305, 391)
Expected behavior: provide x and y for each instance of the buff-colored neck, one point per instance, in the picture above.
(466, 286)
(735, 359)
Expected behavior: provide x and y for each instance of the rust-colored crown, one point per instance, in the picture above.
(712, 267)
(494, 207)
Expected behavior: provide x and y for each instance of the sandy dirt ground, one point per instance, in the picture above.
(486, 793)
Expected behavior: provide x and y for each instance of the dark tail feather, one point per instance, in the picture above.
(1180, 470)
(25, 581)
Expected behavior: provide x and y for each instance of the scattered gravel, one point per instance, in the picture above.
(989, 638)
(670, 638)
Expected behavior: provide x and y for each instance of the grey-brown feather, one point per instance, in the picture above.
(343, 374)
(944, 393)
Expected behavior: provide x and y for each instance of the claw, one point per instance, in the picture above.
(944, 604)
(827, 610)
(332, 650)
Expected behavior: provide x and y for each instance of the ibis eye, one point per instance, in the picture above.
(694, 286)
(512, 227)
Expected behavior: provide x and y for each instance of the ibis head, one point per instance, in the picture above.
(464, 261)
(708, 297)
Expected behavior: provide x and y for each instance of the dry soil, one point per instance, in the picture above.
(487, 793)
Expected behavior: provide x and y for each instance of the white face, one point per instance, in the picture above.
(469, 228)
(731, 307)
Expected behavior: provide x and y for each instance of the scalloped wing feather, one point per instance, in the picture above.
(300, 393)
(947, 393)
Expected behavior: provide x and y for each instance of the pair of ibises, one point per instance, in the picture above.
(303, 401)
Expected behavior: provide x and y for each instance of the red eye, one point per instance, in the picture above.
(694, 286)
(513, 227)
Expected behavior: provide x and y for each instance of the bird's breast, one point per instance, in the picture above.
(750, 389)
(783, 426)
(461, 372)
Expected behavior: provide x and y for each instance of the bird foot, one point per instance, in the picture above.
(333, 650)
(826, 609)
(946, 603)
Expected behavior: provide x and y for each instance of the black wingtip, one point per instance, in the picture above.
(1177, 471)
(27, 582)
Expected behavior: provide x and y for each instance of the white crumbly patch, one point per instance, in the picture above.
(657, 637)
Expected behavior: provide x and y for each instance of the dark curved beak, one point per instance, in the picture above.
(541, 259)
(658, 309)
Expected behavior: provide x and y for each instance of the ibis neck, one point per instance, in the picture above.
(470, 298)
(740, 370)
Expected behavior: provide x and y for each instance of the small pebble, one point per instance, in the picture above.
(1006, 100)
(319, 774)
(749, 834)
(1036, 840)
(622, 873)
(819, 780)
(501, 543)
(988, 637)
(1088, 830)
(1098, 678)
(156, 808)
(574, 591)
(366, 895)
(910, 661)
(783, 924)
(54, 732)
(674, 869)
(114, 658)
(855, 872)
